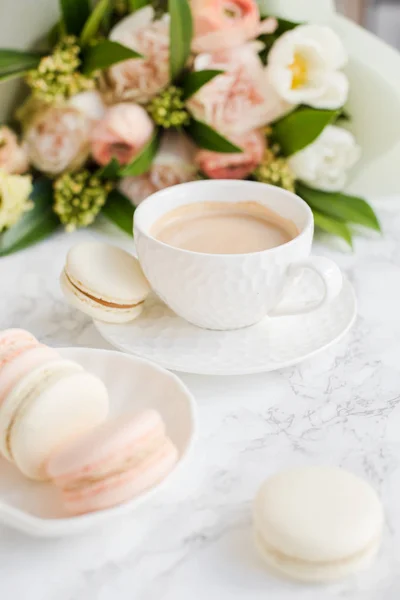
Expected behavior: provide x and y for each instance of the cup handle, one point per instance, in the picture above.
(330, 275)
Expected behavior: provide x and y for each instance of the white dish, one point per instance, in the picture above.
(164, 338)
(133, 384)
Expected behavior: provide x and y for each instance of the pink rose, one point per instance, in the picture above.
(58, 139)
(13, 157)
(242, 98)
(234, 166)
(122, 133)
(174, 164)
(221, 24)
(141, 79)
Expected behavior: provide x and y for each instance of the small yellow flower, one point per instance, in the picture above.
(78, 198)
(14, 198)
(275, 170)
(168, 108)
(58, 77)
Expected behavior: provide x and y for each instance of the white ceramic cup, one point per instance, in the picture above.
(219, 291)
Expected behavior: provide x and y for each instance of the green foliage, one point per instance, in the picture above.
(333, 227)
(349, 209)
(193, 82)
(142, 163)
(35, 225)
(93, 24)
(300, 128)
(104, 54)
(119, 210)
(206, 137)
(15, 63)
(75, 13)
(181, 33)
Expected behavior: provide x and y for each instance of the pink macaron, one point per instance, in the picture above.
(114, 463)
(20, 353)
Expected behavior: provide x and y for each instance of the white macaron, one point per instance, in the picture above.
(317, 524)
(49, 406)
(104, 282)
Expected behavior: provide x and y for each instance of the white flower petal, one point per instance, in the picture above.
(314, 53)
(330, 45)
(131, 24)
(175, 148)
(324, 164)
(334, 91)
(90, 104)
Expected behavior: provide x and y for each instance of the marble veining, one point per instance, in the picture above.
(194, 540)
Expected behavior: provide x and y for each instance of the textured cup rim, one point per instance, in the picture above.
(168, 192)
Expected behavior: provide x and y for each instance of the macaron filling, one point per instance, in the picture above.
(100, 301)
(44, 378)
(280, 558)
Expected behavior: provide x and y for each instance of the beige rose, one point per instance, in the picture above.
(174, 164)
(242, 98)
(122, 133)
(58, 139)
(141, 79)
(13, 157)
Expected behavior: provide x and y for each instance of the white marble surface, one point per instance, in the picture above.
(194, 541)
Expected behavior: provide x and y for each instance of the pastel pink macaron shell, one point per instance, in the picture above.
(120, 488)
(13, 342)
(21, 363)
(94, 472)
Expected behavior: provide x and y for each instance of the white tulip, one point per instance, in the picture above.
(304, 67)
(324, 164)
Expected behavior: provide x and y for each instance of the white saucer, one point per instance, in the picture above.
(164, 338)
(133, 384)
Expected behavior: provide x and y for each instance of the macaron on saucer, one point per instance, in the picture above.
(105, 282)
(317, 524)
(37, 508)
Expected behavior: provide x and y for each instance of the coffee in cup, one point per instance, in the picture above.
(224, 228)
(221, 254)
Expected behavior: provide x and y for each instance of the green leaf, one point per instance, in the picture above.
(110, 171)
(283, 24)
(35, 225)
(344, 116)
(119, 210)
(330, 225)
(75, 14)
(93, 23)
(142, 163)
(300, 128)
(181, 33)
(340, 206)
(14, 63)
(137, 4)
(270, 39)
(193, 82)
(104, 54)
(55, 33)
(206, 137)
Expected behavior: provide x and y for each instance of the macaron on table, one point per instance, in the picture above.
(196, 531)
(313, 524)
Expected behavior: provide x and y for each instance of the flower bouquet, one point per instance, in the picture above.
(132, 96)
